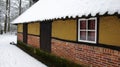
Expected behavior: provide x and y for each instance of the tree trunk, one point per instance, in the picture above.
(5, 24)
(20, 2)
(30, 2)
(6, 15)
(9, 17)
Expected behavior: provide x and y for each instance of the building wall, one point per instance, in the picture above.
(109, 30)
(34, 41)
(64, 29)
(84, 54)
(34, 34)
(20, 37)
(20, 32)
(78, 52)
(20, 28)
(34, 28)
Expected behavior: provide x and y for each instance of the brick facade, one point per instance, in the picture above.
(88, 55)
(20, 36)
(34, 41)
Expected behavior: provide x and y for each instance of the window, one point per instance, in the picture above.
(87, 30)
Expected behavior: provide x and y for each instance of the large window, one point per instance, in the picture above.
(87, 30)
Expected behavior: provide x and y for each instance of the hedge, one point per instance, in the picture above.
(47, 58)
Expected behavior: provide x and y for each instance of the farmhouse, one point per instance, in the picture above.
(83, 31)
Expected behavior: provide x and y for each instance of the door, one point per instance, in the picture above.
(45, 36)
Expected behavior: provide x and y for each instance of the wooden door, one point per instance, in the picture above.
(25, 28)
(45, 36)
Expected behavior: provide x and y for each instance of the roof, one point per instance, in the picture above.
(52, 9)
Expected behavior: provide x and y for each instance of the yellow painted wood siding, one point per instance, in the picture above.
(109, 30)
(64, 29)
(20, 28)
(34, 28)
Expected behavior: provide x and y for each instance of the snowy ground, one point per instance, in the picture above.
(12, 56)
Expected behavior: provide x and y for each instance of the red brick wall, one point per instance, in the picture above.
(87, 55)
(20, 36)
(34, 41)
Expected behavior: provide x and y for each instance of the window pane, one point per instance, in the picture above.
(91, 24)
(91, 36)
(83, 24)
(82, 35)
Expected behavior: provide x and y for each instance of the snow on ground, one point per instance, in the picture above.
(12, 56)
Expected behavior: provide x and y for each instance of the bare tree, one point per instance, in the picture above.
(10, 9)
(30, 2)
(20, 2)
(35, 1)
(9, 16)
(6, 15)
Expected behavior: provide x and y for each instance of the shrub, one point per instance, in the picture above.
(47, 58)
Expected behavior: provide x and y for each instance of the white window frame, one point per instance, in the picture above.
(87, 30)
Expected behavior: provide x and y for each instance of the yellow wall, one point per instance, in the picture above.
(64, 29)
(109, 30)
(20, 28)
(34, 28)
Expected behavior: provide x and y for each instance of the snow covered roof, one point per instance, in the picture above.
(51, 9)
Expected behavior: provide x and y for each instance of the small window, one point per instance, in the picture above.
(87, 30)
